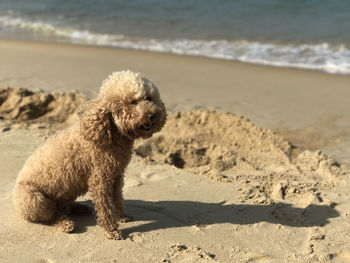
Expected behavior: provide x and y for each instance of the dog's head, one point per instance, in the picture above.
(128, 104)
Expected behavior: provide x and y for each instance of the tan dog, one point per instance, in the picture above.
(91, 155)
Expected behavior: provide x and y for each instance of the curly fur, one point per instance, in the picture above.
(91, 155)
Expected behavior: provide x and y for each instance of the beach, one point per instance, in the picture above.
(273, 205)
(290, 100)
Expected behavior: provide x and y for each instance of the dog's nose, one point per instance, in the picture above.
(151, 117)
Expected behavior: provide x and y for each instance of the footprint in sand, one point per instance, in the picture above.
(145, 176)
(151, 176)
(132, 182)
(184, 254)
(137, 237)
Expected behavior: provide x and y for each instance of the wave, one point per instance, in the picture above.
(322, 56)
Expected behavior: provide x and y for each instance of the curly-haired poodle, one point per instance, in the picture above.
(91, 155)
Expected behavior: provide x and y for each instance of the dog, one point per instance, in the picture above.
(91, 155)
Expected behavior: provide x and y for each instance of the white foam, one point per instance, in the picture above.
(9, 21)
(322, 56)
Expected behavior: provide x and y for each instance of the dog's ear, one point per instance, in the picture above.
(95, 124)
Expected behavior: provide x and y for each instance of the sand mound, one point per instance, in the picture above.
(230, 148)
(22, 105)
(217, 140)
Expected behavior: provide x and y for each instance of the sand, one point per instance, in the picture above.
(228, 148)
(255, 169)
(23, 106)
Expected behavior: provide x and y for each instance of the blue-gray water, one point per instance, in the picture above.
(312, 34)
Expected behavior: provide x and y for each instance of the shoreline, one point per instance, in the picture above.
(82, 45)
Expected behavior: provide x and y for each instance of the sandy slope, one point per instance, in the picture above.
(212, 186)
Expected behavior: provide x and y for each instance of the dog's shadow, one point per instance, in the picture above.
(83, 221)
(172, 214)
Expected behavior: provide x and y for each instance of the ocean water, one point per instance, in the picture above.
(311, 34)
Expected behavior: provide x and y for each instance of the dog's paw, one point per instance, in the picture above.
(125, 218)
(65, 224)
(115, 234)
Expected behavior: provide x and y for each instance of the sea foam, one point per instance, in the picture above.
(319, 56)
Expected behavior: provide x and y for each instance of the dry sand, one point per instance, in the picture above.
(19, 105)
(212, 186)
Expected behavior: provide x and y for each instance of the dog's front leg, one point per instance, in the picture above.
(118, 196)
(101, 188)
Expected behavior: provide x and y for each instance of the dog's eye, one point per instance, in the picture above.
(134, 102)
(149, 98)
